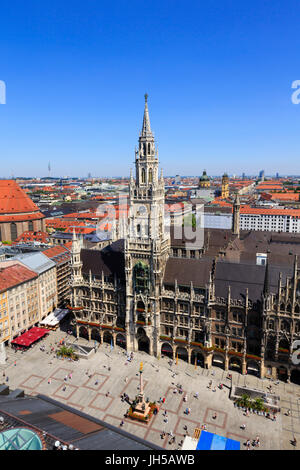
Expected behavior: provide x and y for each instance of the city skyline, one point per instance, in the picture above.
(219, 82)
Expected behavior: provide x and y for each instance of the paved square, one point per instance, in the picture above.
(31, 382)
(101, 402)
(219, 421)
(65, 394)
(110, 372)
(96, 381)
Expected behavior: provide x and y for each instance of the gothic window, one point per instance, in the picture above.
(141, 276)
(285, 326)
(144, 147)
(297, 310)
(13, 231)
(271, 325)
(150, 175)
(149, 150)
(143, 175)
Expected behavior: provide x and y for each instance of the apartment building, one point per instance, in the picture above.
(272, 220)
(19, 308)
(46, 288)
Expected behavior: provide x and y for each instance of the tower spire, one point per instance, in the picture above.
(146, 129)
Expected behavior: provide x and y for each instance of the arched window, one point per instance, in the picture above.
(150, 175)
(149, 149)
(13, 231)
(143, 175)
(145, 149)
(285, 326)
(271, 324)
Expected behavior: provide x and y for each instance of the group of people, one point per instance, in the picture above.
(255, 443)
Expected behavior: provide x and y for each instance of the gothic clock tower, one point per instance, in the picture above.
(146, 245)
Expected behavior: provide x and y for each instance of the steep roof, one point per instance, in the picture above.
(186, 271)
(14, 275)
(38, 262)
(242, 276)
(58, 253)
(14, 200)
(110, 260)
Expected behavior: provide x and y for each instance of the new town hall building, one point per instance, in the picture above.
(232, 301)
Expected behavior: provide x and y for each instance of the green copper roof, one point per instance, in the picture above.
(204, 176)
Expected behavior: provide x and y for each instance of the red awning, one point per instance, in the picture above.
(32, 335)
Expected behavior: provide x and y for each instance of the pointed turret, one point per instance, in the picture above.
(236, 216)
(146, 129)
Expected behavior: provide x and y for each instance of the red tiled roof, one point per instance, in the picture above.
(80, 230)
(14, 200)
(21, 217)
(68, 245)
(30, 236)
(59, 223)
(285, 196)
(266, 211)
(58, 253)
(14, 275)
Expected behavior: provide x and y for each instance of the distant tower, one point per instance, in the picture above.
(49, 169)
(225, 186)
(204, 181)
(76, 263)
(236, 216)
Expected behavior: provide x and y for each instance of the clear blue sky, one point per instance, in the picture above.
(218, 75)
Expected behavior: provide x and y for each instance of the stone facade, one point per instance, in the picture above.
(146, 291)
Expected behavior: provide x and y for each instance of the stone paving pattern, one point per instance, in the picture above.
(34, 368)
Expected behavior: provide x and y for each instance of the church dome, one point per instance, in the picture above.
(204, 176)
